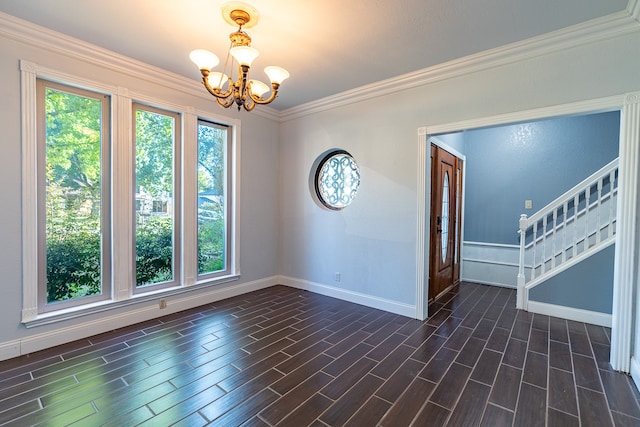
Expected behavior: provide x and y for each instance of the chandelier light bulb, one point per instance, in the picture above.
(217, 80)
(276, 74)
(259, 88)
(244, 54)
(204, 59)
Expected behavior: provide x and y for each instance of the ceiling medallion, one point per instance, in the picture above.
(242, 91)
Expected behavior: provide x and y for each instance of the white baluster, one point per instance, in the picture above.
(554, 237)
(544, 244)
(534, 247)
(598, 206)
(587, 192)
(565, 205)
(612, 201)
(576, 206)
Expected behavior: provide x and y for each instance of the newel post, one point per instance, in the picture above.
(520, 303)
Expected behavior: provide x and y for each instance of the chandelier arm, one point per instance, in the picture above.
(274, 93)
(225, 102)
(248, 104)
(214, 91)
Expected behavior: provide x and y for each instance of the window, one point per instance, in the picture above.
(337, 179)
(157, 172)
(119, 197)
(74, 166)
(445, 217)
(213, 199)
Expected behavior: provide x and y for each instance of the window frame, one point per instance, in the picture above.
(122, 295)
(317, 170)
(176, 200)
(105, 196)
(228, 201)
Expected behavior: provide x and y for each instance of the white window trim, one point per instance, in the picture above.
(122, 228)
(229, 183)
(105, 188)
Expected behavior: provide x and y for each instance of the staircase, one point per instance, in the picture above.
(568, 230)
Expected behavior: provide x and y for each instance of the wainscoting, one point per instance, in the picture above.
(490, 263)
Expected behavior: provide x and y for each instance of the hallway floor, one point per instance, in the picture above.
(286, 357)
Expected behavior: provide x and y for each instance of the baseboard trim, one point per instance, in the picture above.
(86, 329)
(9, 349)
(570, 313)
(354, 297)
(488, 282)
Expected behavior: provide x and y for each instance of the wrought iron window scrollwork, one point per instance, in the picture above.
(337, 179)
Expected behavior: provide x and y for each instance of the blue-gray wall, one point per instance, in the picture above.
(538, 161)
(587, 285)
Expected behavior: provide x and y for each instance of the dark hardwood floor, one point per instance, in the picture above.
(286, 357)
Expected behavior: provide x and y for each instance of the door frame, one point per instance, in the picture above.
(424, 214)
(626, 309)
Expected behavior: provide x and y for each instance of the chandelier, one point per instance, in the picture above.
(242, 91)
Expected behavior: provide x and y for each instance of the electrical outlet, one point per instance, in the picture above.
(163, 304)
(337, 276)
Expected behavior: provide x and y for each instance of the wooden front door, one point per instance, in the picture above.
(444, 247)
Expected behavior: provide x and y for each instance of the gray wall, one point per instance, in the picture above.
(373, 241)
(538, 161)
(587, 285)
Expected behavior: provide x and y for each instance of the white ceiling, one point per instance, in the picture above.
(328, 46)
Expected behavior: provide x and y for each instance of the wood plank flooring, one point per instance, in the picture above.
(285, 357)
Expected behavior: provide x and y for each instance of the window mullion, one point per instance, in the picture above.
(29, 192)
(189, 199)
(122, 203)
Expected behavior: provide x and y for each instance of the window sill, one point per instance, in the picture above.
(108, 305)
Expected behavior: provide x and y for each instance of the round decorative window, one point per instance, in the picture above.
(337, 179)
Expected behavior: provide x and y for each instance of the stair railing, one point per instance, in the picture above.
(572, 225)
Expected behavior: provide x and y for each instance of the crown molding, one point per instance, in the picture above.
(29, 33)
(613, 25)
(633, 9)
(617, 24)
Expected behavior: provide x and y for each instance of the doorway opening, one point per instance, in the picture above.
(625, 262)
